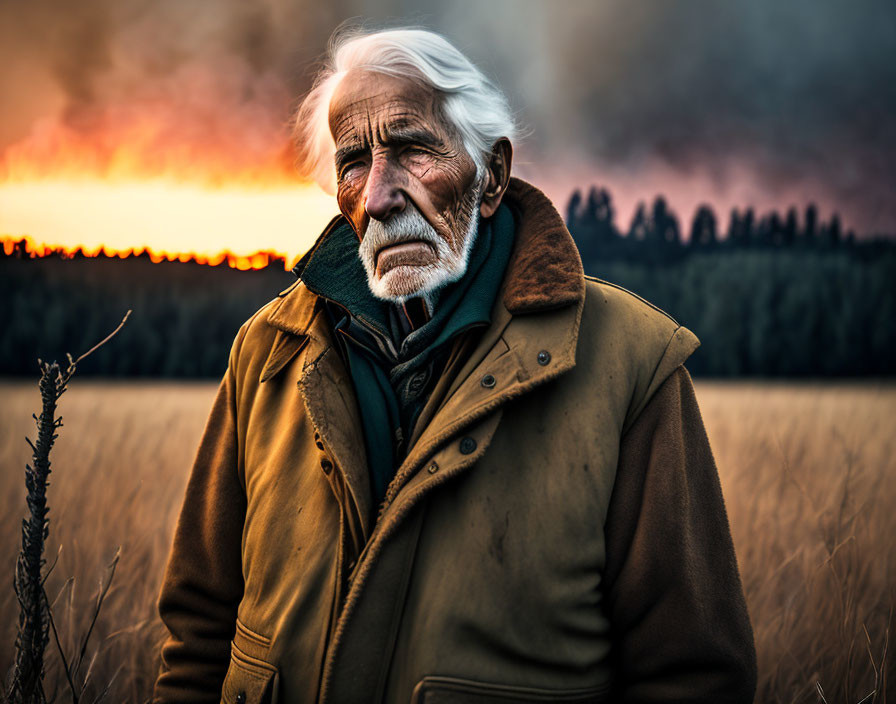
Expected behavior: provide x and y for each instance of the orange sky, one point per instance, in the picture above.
(166, 216)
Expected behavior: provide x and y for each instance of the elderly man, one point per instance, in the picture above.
(444, 465)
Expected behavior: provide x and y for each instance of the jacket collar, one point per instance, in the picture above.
(545, 270)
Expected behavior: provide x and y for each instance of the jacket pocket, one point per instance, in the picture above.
(249, 680)
(452, 690)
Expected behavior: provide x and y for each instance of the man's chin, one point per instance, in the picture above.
(405, 282)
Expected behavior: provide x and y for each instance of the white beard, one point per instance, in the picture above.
(405, 281)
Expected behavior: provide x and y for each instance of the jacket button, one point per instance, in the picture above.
(467, 446)
(326, 465)
(417, 383)
(488, 381)
(544, 358)
(433, 468)
(240, 698)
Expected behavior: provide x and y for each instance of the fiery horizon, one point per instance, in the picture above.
(18, 246)
(169, 219)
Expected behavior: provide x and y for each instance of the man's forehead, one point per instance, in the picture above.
(367, 99)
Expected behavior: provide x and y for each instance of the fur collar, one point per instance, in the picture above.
(545, 269)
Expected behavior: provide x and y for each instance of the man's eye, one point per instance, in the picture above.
(345, 169)
(415, 151)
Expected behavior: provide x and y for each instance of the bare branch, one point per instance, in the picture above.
(101, 342)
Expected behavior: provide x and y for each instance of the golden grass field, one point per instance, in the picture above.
(808, 472)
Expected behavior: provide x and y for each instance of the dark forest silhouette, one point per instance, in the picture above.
(655, 235)
(769, 296)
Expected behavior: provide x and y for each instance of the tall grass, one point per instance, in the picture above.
(809, 476)
(808, 472)
(120, 472)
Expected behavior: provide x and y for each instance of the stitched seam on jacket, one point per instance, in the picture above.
(628, 421)
(252, 635)
(631, 293)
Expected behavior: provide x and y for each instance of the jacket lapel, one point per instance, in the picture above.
(327, 392)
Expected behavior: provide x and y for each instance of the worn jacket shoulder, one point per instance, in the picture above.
(253, 333)
(649, 340)
(254, 341)
(625, 296)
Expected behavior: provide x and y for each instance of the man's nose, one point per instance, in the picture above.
(384, 196)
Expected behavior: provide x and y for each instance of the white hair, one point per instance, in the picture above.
(472, 104)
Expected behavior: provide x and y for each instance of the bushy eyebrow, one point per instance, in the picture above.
(396, 135)
(348, 151)
(411, 135)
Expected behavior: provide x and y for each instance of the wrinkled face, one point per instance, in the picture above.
(404, 182)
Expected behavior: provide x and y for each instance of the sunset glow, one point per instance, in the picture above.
(167, 219)
(132, 182)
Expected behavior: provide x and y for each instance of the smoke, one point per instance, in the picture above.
(704, 101)
(155, 87)
(779, 102)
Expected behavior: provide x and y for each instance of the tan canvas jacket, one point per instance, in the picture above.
(557, 535)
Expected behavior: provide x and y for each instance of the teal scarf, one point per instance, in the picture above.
(393, 372)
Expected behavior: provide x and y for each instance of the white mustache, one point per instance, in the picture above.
(407, 225)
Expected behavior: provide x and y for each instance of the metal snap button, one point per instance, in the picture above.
(326, 465)
(488, 381)
(467, 446)
(433, 468)
(544, 357)
(241, 698)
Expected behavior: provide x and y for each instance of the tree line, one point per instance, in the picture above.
(656, 235)
(775, 297)
(185, 314)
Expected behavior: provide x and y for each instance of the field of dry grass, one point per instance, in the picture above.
(808, 472)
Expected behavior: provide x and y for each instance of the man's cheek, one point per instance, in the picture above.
(350, 200)
(435, 193)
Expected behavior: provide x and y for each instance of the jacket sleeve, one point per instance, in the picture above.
(674, 597)
(203, 581)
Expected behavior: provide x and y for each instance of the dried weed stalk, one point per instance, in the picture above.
(35, 618)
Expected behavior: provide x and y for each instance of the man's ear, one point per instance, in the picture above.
(498, 169)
